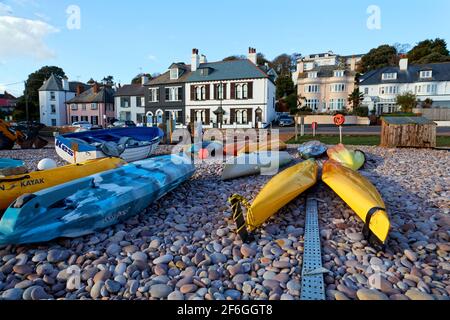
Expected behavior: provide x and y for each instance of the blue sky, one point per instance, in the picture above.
(122, 38)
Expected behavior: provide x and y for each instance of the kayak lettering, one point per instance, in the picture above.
(34, 182)
(64, 148)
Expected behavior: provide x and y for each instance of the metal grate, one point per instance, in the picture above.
(312, 274)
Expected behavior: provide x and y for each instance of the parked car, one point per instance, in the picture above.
(82, 125)
(286, 121)
(123, 124)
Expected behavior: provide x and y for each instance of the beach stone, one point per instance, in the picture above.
(96, 290)
(39, 257)
(418, 295)
(233, 294)
(113, 249)
(176, 296)
(222, 232)
(355, 236)
(411, 255)
(22, 269)
(24, 284)
(102, 276)
(133, 286)
(376, 261)
(160, 291)
(188, 288)
(294, 287)
(286, 296)
(376, 281)
(12, 294)
(217, 258)
(38, 293)
(247, 251)
(398, 297)
(370, 294)
(112, 286)
(340, 296)
(139, 256)
(163, 259)
(199, 234)
(57, 255)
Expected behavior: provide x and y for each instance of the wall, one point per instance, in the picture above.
(328, 120)
(434, 114)
(45, 107)
(133, 109)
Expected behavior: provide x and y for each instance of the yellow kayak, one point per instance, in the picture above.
(348, 158)
(282, 189)
(362, 197)
(12, 187)
(274, 145)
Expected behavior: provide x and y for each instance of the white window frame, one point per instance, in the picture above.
(173, 94)
(389, 76)
(338, 87)
(312, 74)
(220, 91)
(426, 74)
(153, 97)
(238, 91)
(339, 73)
(174, 76)
(245, 91)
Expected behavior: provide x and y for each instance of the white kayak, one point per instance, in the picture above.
(264, 162)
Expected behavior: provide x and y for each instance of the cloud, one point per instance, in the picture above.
(23, 38)
(42, 16)
(5, 10)
(151, 58)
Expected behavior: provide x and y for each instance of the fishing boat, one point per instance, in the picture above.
(278, 192)
(255, 163)
(13, 186)
(11, 166)
(90, 204)
(130, 144)
(362, 197)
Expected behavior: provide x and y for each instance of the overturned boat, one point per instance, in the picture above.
(10, 167)
(255, 163)
(278, 192)
(13, 186)
(362, 197)
(87, 205)
(130, 144)
(353, 159)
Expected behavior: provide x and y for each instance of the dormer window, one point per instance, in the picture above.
(312, 75)
(205, 72)
(174, 74)
(427, 74)
(339, 73)
(390, 76)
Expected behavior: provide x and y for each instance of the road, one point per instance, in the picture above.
(353, 130)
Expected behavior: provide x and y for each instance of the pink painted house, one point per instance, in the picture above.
(95, 105)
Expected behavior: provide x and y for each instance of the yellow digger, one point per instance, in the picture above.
(25, 135)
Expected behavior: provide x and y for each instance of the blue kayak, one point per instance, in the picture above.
(10, 167)
(90, 204)
(312, 149)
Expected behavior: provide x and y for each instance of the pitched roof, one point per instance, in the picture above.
(407, 120)
(54, 83)
(228, 70)
(441, 72)
(130, 90)
(7, 96)
(104, 94)
(326, 72)
(165, 77)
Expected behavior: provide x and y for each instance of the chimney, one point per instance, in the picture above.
(80, 89)
(203, 59)
(96, 88)
(144, 80)
(403, 64)
(300, 66)
(195, 61)
(65, 84)
(252, 56)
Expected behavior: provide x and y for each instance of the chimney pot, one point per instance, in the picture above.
(403, 64)
(195, 60)
(252, 55)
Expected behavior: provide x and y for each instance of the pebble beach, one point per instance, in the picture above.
(184, 247)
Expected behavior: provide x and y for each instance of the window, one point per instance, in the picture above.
(74, 107)
(53, 108)
(426, 89)
(174, 74)
(312, 104)
(138, 102)
(338, 87)
(200, 93)
(53, 122)
(84, 118)
(220, 92)
(241, 91)
(74, 119)
(337, 104)
(83, 106)
(366, 90)
(200, 115)
(125, 102)
(52, 96)
(245, 91)
(140, 117)
(312, 75)
(94, 120)
(426, 74)
(94, 106)
(238, 91)
(389, 90)
(173, 94)
(154, 95)
(242, 116)
(312, 88)
(389, 76)
(339, 73)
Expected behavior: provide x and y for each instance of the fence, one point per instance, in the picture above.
(434, 114)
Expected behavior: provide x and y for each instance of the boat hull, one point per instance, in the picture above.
(9, 167)
(91, 204)
(255, 163)
(361, 196)
(280, 190)
(274, 145)
(12, 187)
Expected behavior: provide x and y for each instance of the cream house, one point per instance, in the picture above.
(324, 81)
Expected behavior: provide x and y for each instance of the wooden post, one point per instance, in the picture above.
(340, 134)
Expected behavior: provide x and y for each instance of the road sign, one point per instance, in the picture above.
(314, 126)
(339, 120)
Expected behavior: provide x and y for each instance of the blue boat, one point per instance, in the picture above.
(10, 167)
(87, 205)
(130, 144)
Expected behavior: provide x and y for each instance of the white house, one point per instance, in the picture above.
(429, 81)
(53, 95)
(230, 94)
(130, 102)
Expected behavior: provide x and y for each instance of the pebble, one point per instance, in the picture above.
(418, 295)
(188, 288)
(57, 255)
(411, 255)
(370, 294)
(102, 276)
(176, 295)
(112, 286)
(96, 290)
(233, 294)
(139, 256)
(160, 291)
(12, 294)
(113, 249)
(163, 259)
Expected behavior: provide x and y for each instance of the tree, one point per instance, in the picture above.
(91, 82)
(355, 98)
(234, 58)
(285, 86)
(108, 81)
(292, 102)
(377, 58)
(429, 51)
(282, 64)
(407, 101)
(261, 60)
(138, 78)
(427, 103)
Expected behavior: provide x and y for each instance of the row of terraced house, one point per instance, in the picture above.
(239, 93)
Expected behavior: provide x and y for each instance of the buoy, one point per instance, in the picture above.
(46, 164)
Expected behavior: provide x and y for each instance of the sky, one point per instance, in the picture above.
(125, 38)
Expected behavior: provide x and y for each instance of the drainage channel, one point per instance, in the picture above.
(312, 272)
